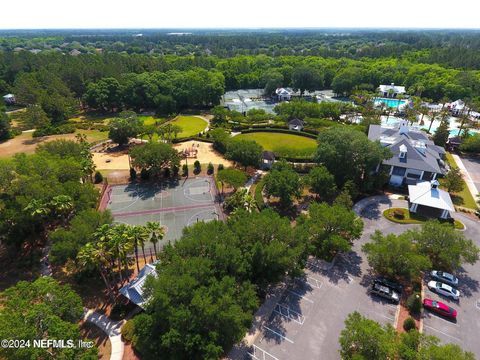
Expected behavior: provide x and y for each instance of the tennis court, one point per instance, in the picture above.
(175, 204)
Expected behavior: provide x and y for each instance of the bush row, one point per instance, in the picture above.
(280, 130)
(54, 130)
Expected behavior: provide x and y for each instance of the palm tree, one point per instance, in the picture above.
(157, 232)
(137, 235)
(95, 256)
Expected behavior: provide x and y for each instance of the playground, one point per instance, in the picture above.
(201, 151)
(176, 204)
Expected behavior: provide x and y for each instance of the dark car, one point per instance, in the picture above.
(380, 289)
(391, 284)
(440, 308)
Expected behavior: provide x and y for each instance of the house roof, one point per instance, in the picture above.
(393, 87)
(268, 155)
(134, 289)
(421, 153)
(425, 194)
(9, 96)
(283, 91)
(296, 122)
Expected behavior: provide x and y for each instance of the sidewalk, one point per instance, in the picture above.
(109, 327)
(466, 176)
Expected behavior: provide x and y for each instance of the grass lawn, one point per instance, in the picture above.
(279, 142)
(191, 125)
(150, 120)
(464, 198)
(404, 216)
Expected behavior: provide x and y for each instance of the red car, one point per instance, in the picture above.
(440, 308)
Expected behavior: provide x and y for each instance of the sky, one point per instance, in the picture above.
(46, 14)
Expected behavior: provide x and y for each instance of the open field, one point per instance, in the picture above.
(25, 143)
(150, 120)
(279, 141)
(191, 125)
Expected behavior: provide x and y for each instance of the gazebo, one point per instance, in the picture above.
(428, 195)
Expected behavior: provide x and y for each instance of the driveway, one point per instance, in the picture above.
(307, 321)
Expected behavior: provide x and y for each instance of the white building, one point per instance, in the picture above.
(283, 94)
(9, 99)
(428, 194)
(391, 91)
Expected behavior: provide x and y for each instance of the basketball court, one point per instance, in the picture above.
(174, 204)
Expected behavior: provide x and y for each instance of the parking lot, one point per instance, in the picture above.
(465, 331)
(307, 321)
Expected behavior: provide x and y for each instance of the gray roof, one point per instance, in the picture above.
(134, 289)
(268, 155)
(429, 161)
(296, 122)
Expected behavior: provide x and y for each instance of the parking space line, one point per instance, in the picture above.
(265, 355)
(278, 334)
(300, 296)
(441, 332)
(290, 314)
(314, 282)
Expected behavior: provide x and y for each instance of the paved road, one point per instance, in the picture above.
(472, 165)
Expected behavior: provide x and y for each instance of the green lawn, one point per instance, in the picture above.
(150, 120)
(464, 198)
(284, 144)
(191, 125)
(404, 216)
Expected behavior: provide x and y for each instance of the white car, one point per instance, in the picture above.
(444, 289)
(445, 277)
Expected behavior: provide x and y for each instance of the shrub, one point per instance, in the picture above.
(175, 170)
(54, 130)
(197, 167)
(399, 214)
(128, 331)
(409, 324)
(220, 167)
(185, 170)
(166, 172)
(210, 169)
(145, 174)
(98, 177)
(119, 311)
(414, 303)
(133, 174)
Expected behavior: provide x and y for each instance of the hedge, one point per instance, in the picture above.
(61, 129)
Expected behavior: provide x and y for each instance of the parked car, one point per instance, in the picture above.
(444, 289)
(440, 308)
(391, 284)
(444, 277)
(380, 289)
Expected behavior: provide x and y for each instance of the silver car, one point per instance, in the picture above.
(444, 289)
(444, 277)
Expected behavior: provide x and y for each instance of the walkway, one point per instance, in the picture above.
(109, 327)
(466, 176)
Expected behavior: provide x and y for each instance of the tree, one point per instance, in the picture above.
(357, 155)
(4, 124)
(245, 152)
(105, 94)
(363, 338)
(306, 78)
(272, 80)
(321, 182)
(453, 181)
(471, 144)
(344, 199)
(395, 256)
(440, 137)
(124, 128)
(42, 309)
(35, 117)
(155, 157)
(447, 248)
(283, 182)
(220, 139)
(157, 232)
(329, 229)
(232, 177)
(240, 200)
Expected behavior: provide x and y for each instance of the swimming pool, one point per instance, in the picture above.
(393, 103)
